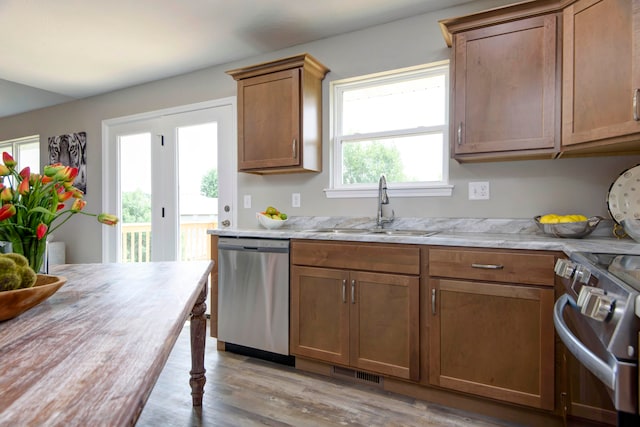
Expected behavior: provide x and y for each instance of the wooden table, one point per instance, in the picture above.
(91, 354)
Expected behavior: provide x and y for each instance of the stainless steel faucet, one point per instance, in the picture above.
(383, 199)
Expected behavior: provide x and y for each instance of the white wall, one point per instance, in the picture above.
(518, 189)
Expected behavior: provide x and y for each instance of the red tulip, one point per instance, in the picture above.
(65, 196)
(25, 173)
(107, 219)
(23, 188)
(6, 194)
(54, 169)
(66, 173)
(78, 205)
(8, 160)
(41, 230)
(7, 211)
(77, 193)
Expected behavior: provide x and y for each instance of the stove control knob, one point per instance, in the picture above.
(595, 304)
(582, 275)
(565, 268)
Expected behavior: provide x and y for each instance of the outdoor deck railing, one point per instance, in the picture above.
(194, 241)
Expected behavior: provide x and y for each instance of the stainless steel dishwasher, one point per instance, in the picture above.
(253, 293)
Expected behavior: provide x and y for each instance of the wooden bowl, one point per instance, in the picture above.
(14, 303)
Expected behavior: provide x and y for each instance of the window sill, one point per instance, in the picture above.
(348, 193)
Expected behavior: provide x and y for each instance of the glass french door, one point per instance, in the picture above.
(173, 178)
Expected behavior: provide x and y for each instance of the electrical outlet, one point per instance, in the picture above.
(295, 200)
(247, 201)
(479, 191)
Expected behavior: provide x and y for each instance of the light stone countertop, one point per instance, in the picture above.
(471, 232)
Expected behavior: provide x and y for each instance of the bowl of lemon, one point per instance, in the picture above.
(573, 226)
(271, 218)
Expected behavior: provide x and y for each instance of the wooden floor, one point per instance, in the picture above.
(244, 391)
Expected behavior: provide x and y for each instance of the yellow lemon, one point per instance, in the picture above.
(549, 219)
(271, 210)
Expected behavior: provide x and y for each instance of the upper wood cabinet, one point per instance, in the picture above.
(505, 90)
(601, 76)
(280, 115)
(545, 79)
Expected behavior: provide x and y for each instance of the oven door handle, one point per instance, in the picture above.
(592, 362)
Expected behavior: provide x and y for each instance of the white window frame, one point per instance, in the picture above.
(407, 189)
(15, 151)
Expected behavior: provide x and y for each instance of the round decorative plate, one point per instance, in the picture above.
(623, 199)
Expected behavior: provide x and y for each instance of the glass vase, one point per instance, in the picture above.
(36, 253)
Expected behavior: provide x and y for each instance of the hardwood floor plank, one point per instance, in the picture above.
(244, 391)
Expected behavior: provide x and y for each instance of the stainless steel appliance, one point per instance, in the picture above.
(253, 293)
(602, 297)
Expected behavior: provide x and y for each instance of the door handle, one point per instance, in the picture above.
(353, 292)
(433, 302)
(636, 114)
(294, 148)
(488, 266)
(460, 134)
(344, 290)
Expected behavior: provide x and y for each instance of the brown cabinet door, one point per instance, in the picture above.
(385, 324)
(504, 88)
(601, 69)
(493, 340)
(269, 120)
(588, 397)
(320, 314)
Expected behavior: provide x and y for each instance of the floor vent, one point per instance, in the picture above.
(359, 376)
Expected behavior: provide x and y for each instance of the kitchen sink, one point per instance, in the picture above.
(385, 231)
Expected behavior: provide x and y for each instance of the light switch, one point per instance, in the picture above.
(247, 201)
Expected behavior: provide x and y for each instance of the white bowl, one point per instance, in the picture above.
(268, 222)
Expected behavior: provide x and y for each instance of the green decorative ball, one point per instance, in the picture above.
(15, 272)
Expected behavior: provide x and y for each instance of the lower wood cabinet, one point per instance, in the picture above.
(360, 319)
(488, 337)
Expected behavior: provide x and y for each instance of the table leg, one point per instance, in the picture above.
(198, 339)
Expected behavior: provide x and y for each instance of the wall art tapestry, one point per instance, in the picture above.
(71, 150)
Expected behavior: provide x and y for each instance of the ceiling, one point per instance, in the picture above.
(57, 51)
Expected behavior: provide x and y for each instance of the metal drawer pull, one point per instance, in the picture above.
(353, 292)
(344, 290)
(488, 266)
(636, 115)
(433, 302)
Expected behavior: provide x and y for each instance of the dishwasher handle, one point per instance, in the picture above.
(253, 245)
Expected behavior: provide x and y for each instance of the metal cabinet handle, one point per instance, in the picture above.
(433, 302)
(344, 290)
(636, 102)
(460, 134)
(488, 266)
(353, 292)
(294, 148)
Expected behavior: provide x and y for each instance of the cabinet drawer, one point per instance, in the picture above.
(402, 259)
(492, 265)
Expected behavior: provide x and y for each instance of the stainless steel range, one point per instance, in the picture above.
(602, 296)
